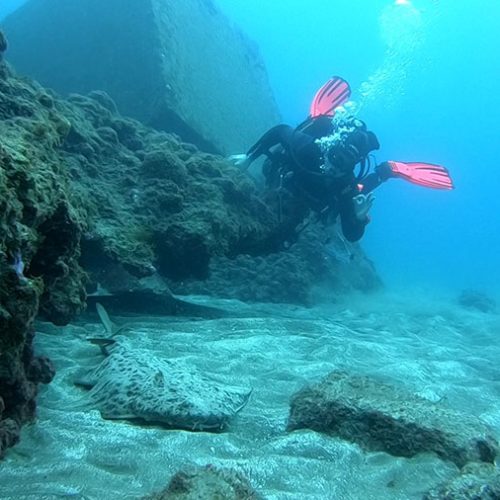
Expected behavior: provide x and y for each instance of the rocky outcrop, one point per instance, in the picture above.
(40, 226)
(380, 417)
(157, 203)
(295, 275)
(20, 373)
(39, 246)
(207, 482)
(178, 66)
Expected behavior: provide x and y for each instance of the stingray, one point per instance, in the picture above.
(133, 384)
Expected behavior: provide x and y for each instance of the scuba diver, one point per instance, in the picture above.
(323, 165)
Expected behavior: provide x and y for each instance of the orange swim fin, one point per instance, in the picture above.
(424, 174)
(330, 96)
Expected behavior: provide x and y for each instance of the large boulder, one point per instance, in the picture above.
(381, 417)
(178, 66)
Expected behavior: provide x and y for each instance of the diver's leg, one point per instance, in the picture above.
(280, 134)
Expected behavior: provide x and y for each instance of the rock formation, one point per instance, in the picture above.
(380, 417)
(207, 482)
(178, 66)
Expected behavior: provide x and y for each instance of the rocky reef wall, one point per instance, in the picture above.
(37, 227)
(178, 66)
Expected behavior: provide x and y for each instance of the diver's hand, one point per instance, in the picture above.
(362, 205)
(240, 160)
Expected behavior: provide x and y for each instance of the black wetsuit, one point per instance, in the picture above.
(295, 162)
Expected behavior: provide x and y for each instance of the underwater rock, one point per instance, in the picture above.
(20, 370)
(18, 306)
(39, 243)
(159, 60)
(207, 482)
(477, 481)
(9, 434)
(20, 373)
(56, 259)
(473, 299)
(132, 384)
(41, 369)
(3, 44)
(164, 164)
(165, 206)
(300, 274)
(39, 228)
(380, 417)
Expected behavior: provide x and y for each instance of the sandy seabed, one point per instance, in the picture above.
(427, 345)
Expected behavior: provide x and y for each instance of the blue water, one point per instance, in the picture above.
(436, 100)
(428, 70)
(8, 6)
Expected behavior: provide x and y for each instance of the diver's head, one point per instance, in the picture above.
(348, 145)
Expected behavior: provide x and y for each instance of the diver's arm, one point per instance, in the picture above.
(373, 180)
(353, 211)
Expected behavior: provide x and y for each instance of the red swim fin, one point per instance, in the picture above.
(423, 174)
(331, 95)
